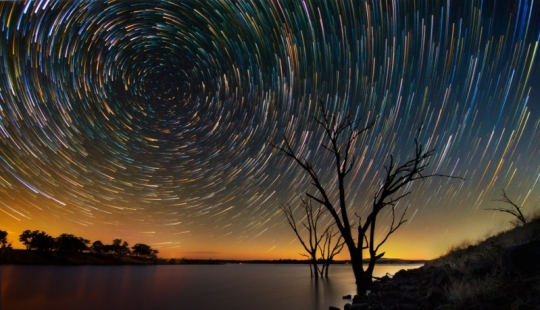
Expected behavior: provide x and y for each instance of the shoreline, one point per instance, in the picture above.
(26, 257)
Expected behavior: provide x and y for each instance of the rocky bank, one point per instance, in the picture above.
(501, 272)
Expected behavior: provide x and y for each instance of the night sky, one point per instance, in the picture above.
(149, 121)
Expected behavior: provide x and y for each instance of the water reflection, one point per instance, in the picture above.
(174, 287)
(86, 287)
(324, 290)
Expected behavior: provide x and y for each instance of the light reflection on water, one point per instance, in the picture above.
(194, 287)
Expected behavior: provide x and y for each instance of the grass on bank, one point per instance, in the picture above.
(480, 279)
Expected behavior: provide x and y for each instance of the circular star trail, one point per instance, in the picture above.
(150, 120)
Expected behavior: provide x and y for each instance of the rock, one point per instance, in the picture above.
(441, 276)
(358, 299)
(479, 268)
(521, 259)
(434, 298)
(384, 278)
(397, 300)
(436, 294)
(362, 306)
(494, 304)
(402, 275)
(409, 288)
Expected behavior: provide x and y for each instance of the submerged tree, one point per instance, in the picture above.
(310, 224)
(311, 242)
(341, 134)
(329, 248)
(514, 210)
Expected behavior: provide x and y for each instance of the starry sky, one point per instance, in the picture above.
(149, 121)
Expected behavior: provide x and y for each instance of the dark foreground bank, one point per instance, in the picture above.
(501, 272)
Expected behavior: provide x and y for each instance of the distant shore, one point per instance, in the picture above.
(25, 257)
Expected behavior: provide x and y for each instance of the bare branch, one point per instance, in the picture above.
(392, 227)
(340, 133)
(514, 209)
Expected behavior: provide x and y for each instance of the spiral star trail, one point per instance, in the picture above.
(150, 120)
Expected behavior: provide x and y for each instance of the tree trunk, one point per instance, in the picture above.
(363, 277)
(314, 269)
(371, 267)
(327, 266)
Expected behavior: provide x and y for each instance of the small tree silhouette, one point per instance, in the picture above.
(68, 243)
(120, 248)
(37, 240)
(42, 242)
(97, 247)
(329, 249)
(514, 209)
(314, 242)
(26, 238)
(143, 250)
(5, 247)
(3, 238)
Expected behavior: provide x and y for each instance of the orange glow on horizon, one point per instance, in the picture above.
(415, 242)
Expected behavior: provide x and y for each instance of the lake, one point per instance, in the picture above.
(193, 287)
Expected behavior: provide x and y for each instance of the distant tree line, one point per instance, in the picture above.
(67, 243)
(5, 247)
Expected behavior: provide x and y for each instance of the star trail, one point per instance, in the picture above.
(150, 120)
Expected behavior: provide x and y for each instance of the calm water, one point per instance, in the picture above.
(224, 287)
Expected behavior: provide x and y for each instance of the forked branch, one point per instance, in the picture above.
(514, 209)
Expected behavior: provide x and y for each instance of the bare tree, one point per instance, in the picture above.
(514, 209)
(329, 249)
(310, 222)
(314, 242)
(341, 134)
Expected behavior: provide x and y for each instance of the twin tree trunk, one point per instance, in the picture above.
(340, 134)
